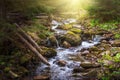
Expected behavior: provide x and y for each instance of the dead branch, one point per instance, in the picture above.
(34, 50)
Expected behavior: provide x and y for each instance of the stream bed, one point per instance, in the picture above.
(65, 55)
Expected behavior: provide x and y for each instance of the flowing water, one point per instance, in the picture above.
(57, 72)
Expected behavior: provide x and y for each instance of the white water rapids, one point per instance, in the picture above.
(64, 73)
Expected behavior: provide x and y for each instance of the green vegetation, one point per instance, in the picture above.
(117, 36)
(93, 15)
(105, 10)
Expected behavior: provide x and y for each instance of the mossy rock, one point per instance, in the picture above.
(89, 32)
(66, 44)
(72, 38)
(76, 30)
(65, 27)
(116, 43)
(48, 52)
(94, 48)
(53, 40)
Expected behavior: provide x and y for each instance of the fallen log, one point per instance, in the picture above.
(34, 50)
(28, 38)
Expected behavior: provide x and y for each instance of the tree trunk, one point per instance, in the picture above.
(2, 10)
(29, 38)
(32, 49)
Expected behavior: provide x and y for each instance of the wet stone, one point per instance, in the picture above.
(78, 69)
(61, 63)
(85, 52)
(91, 73)
(41, 77)
(115, 43)
(66, 44)
(89, 65)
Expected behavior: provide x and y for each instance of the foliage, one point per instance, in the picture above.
(117, 36)
(105, 78)
(105, 10)
(111, 25)
(42, 31)
(94, 22)
(117, 57)
(108, 26)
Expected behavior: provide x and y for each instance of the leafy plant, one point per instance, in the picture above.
(108, 26)
(94, 22)
(117, 36)
(117, 57)
(105, 78)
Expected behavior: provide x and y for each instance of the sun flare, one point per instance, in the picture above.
(75, 1)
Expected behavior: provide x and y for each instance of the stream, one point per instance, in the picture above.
(57, 72)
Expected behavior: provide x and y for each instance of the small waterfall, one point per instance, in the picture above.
(65, 73)
(57, 43)
(97, 38)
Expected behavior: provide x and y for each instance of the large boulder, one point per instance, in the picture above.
(53, 41)
(72, 38)
(48, 52)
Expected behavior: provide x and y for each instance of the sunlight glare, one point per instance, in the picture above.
(75, 1)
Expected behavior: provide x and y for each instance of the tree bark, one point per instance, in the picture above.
(29, 38)
(34, 50)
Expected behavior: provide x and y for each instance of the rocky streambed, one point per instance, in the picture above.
(81, 53)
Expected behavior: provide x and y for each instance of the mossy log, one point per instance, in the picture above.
(33, 49)
(28, 38)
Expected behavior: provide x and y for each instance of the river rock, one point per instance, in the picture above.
(76, 30)
(85, 52)
(65, 27)
(78, 69)
(61, 63)
(41, 77)
(108, 63)
(89, 32)
(107, 36)
(53, 40)
(72, 38)
(94, 48)
(115, 43)
(92, 73)
(89, 65)
(66, 44)
(48, 52)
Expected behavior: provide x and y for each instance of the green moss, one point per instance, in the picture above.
(40, 30)
(48, 52)
(117, 36)
(75, 30)
(65, 27)
(72, 38)
(117, 57)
